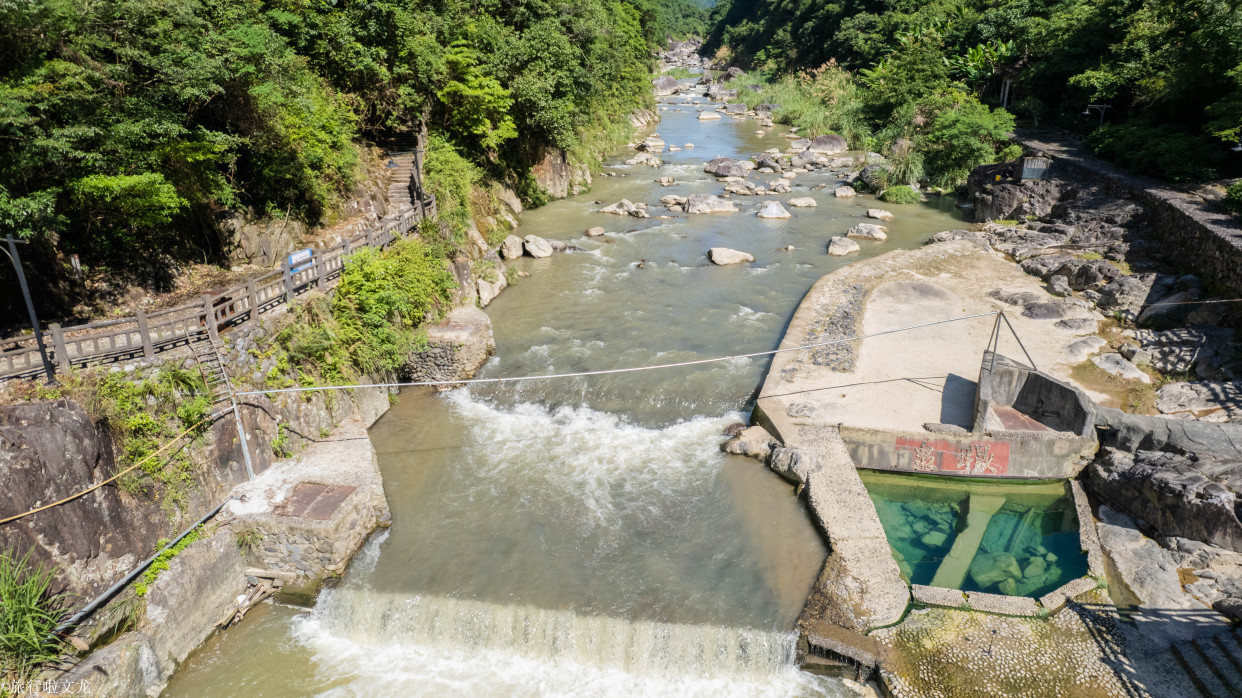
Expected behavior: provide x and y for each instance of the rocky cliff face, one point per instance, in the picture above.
(51, 450)
(557, 175)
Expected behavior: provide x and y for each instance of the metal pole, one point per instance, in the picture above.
(241, 433)
(34, 319)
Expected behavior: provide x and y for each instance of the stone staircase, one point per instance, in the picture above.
(399, 180)
(1213, 664)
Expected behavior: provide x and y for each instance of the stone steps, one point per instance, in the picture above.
(1213, 664)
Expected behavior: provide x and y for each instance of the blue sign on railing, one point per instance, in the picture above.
(300, 260)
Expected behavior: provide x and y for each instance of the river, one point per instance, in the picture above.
(586, 536)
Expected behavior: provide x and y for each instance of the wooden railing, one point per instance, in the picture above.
(148, 334)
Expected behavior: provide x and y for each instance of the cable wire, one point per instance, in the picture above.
(632, 369)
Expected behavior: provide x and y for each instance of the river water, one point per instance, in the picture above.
(586, 536)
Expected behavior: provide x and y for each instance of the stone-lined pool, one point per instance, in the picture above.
(1011, 538)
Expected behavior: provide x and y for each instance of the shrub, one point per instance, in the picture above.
(961, 134)
(1158, 151)
(900, 195)
(29, 612)
(1233, 198)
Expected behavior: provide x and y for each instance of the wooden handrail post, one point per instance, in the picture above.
(58, 344)
(252, 293)
(210, 310)
(317, 267)
(288, 280)
(144, 333)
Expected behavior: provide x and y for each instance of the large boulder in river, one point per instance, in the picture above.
(735, 108)
(799, 145)
(665, 85)
(652, 144)
(829, 144)
(845, 192)
(644, 159)
(754, 441)
(773, 209)
(512, 247)
(802, 202)
(1189, 496)
(795, 465)
(867, 231)
(723, 256)
(709, 203)
(537, 247)
(724, 167)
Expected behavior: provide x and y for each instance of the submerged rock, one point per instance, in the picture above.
(722, 256)
(992, 568)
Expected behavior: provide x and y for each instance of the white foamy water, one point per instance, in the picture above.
(381, 644)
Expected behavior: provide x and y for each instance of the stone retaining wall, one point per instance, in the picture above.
(457, 347)
(1200, 235)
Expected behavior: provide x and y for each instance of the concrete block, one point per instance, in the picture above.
(937, 596)
(1004, 605)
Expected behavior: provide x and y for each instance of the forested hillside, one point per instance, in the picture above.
(127, 125)
(1168, 71)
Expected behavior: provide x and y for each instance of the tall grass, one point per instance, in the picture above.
(29, 612)
(824, 100)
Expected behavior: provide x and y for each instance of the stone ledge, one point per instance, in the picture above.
(1004, 605)
(1088, 536)
(1055, 600)
(938, 596)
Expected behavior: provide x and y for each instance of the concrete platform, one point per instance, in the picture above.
(884, 389)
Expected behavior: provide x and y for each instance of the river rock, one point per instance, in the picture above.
(829, 144)
(799, 145)
(708, 116)
(725, 167)
(845, 192)
(840, 246)
(879, 214)
(802, 202)
(1117, 365)
(773, 209)
(644, 159)
(1190, 496)
(1050, 310)
(537, 247)
(625, 207)
(593, 232)
(795, 465)
(867, 231)
(992, 568)
(665, 85)
(651, 144)
(709, 203)
(1058, 285)
(1209, 401)
(754, 442)
(1080, 350)
(512, 247)
(781, 186)
(735, 108)
(722, 256)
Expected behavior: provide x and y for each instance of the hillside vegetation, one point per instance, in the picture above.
(1170, 72)
(127, 126)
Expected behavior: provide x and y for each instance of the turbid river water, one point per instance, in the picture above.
(587, 537)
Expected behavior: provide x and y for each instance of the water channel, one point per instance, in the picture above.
(587, 537)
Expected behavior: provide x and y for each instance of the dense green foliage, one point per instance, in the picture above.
(126, 126)
(938, 136)
(1168, 69)
(29, 612)
(370, 324)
